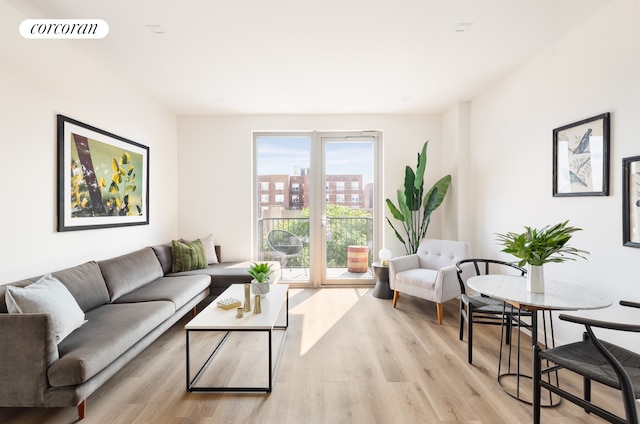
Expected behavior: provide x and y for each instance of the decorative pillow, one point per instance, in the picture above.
(210, 249)
(47, 296)
(188, 256)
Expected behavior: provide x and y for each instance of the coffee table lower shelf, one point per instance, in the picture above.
(274, 360)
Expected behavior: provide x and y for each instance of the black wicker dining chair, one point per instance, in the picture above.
(595, 360)
(480, 309)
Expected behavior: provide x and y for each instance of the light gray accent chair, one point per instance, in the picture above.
(430, 273)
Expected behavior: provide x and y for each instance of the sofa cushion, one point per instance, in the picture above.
(163, 253)
(179, 290)
(86, 284)
(419, 277)
(126, 273)
(188, 256)
(110, 331)
(437, 254)
(47, 296)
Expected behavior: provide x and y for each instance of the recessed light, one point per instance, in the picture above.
(156, 29)
(463, 26)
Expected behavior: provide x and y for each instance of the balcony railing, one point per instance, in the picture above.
(341, 232)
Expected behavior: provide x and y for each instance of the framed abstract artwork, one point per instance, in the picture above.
(581, 158)
(631, 201)
(103, 179)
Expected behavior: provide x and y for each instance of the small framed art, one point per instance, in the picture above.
(631, 201)
(581, 158)
(103, 179)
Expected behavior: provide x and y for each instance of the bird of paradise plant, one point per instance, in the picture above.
(413, 210)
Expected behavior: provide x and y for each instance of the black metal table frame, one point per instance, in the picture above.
(533, 328)
(272, 367)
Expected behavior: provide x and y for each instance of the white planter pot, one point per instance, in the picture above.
(535, 279)
(260, 288)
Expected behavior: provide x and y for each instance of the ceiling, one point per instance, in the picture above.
(316, 56)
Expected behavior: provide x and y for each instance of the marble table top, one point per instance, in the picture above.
(557, 295)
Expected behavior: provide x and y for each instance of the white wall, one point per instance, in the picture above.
(595, 69)
(42, 78)
(215, 172)
(455, 159)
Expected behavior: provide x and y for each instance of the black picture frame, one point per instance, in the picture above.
(581, 158)
(103, 179)
(631, 201)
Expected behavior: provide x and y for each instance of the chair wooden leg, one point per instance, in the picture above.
(395, 298)
(82, 409)
(195, 310)
(439, 306)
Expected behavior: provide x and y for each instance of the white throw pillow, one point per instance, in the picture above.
(209, 249)
(47, 296)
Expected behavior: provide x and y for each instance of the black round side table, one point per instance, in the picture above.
(382, 289)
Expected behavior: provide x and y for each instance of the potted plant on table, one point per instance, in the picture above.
(536, 247)
(261, 273)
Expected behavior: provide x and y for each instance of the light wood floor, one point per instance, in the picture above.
(349, 358)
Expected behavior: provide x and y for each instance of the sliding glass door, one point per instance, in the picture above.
(282, 197)
(348, 208)
(315, 205)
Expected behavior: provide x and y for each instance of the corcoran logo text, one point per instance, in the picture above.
(64, 28)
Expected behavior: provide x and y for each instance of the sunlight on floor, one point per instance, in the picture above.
(323, 310)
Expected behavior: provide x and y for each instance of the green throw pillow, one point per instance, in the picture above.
(187, 257)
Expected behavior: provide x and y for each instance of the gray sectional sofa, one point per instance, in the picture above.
(128, 302)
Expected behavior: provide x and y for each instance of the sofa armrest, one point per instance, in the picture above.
(403, 263)
(28, 348)
(399, 264)
(447, 286)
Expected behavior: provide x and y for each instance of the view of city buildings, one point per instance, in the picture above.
(278, 194)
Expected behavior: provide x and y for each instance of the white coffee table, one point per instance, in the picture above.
(213, 318)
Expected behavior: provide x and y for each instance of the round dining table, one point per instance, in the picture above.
(557, 296)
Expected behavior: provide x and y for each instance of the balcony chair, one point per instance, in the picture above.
(284, 246)
(480, 309)
(430, 273)
(596, 360)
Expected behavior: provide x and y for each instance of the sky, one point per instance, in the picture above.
(280, 155)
